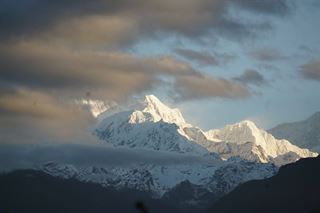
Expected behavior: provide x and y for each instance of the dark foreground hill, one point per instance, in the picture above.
(296, 188)
(34, 191)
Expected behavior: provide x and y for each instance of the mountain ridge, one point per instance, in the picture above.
(242, 152)
(152, 124)
(36, 192)
(295, 188)
(303, 133)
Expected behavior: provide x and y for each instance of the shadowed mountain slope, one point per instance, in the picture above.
(35, 191)
(296, 188)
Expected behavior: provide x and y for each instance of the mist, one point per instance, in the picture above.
(17, 156)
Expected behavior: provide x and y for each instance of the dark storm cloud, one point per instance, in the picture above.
(311, 70)
(251, 76)
(267, 54)
(31, 156)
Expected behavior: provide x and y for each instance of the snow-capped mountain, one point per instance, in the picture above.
(241, 152)
(302, 133)
(153, 125)
(247, 141)
(158, 179)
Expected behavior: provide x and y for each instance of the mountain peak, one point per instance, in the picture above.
(247, 123)
(152, 101)
(263, 144)
(239, 133)
(160, 111)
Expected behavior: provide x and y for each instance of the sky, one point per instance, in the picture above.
(219, 61)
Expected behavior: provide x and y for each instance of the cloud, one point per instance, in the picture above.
(269, 67)
(34, 16)
(95, 30)
(81, 155)
(233, 29)
(308, 49)
(311, 70)
(271, 7)
(251, 76)
(29, 116)
(99, 20)
(267, 54)
(203, 57)
(39, 79)
(204, 86)
(112, 74)
(54, 51)
(72, 48)
(23, 102)
(314, 4)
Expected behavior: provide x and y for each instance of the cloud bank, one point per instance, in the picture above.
(34, 156)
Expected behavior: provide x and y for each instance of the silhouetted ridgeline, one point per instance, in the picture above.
(34, 191)
(296, 188)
